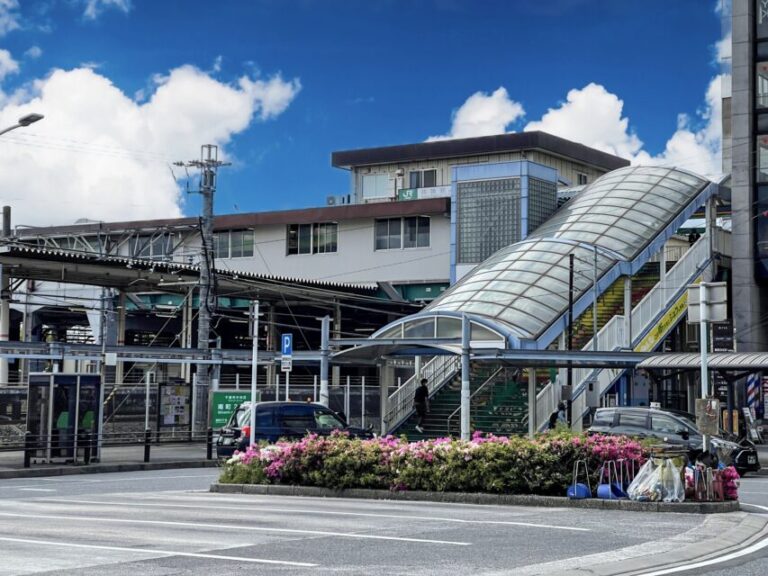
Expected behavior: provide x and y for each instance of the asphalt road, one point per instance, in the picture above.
(165, 522)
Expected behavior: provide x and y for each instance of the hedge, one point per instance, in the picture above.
(486, 463)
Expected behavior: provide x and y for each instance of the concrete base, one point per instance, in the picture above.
(490, 499)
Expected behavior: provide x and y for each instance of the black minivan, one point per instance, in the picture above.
(671, 428)
(275, 420)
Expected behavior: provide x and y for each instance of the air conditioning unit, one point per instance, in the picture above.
(331, 200)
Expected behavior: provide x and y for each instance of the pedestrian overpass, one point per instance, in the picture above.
(527, 296)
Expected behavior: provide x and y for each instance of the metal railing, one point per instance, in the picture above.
(491, 379)
(644, 315)
(82, 448)
(437, 370)
(613, 337)
(668, 287)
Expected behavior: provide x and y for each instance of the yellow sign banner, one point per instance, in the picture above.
(665, 323)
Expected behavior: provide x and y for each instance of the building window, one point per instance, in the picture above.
(158, 247)
(233, 244)
(377, 186)
(396, 233)
(318, 238)
(581, 178)
(761, 85)
(422, 178)
(762, 159)
(762, 18)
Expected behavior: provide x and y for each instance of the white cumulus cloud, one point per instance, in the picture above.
(100, 154)
(7, 64)
(483, 115)
(94, 8)
(592, 116)
(33, 52)
(697, 143)
(9, 16)
(723, 49)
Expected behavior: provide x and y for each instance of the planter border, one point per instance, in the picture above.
(480, 498)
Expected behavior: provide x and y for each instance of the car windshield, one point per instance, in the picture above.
(684, 419)
(328, 421)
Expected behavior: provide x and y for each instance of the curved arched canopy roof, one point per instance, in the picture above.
(524, 287)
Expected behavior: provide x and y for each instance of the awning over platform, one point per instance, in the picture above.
(715, 361)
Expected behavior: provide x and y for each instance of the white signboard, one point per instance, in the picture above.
(717, 302)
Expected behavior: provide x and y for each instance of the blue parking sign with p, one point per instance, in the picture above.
(287, 344)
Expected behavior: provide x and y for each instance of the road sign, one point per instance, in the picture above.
(286, 364)
(222, 404)
(286, 345)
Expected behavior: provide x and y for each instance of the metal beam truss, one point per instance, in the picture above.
(140, 241)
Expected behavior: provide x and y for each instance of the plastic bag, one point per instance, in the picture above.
(673, 488)
(657, 481)
(646, 486)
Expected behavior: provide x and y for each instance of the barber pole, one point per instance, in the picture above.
(753, 392)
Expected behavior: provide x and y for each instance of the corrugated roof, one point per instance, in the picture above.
(171, 267)
(715, 361)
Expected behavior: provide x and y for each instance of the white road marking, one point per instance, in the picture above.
(326, 512)
(754, 506)
(140, 479)
(236, 527)
(155, 551)
(37, 489)
(757, 546)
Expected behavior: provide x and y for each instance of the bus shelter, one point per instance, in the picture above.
(62, 415)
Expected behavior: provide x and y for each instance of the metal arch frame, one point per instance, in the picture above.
(505, 334)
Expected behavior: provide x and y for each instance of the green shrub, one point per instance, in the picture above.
(490, 464)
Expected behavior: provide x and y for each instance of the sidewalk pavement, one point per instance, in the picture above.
(114, 459)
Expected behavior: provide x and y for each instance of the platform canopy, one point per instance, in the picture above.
(715, 361)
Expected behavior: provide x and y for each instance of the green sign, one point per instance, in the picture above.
(407, 194)
(223, 404)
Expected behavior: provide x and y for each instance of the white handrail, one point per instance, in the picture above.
(644, 315)
(612, 336)
(436, 371)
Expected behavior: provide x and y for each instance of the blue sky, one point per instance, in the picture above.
(129, 85)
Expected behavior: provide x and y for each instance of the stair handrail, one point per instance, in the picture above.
(483, 385)
(656, 301)
(666, 289)
(437, 370)
(660, 295)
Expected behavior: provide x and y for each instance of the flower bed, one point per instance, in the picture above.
(486, 463)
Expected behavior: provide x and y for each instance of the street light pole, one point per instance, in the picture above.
(5, 281)
(23, 122)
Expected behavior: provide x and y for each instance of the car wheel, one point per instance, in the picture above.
(741, 472)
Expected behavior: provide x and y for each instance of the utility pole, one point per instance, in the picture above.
(208, 164)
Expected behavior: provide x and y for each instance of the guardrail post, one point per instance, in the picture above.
(87, 448)
(147, 443)
(209, 444)
(27, 448)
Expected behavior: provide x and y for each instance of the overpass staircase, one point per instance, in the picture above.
(499, 400)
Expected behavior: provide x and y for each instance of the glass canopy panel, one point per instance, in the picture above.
(525, 285)
(479, 332)
(419, 328)
(448, 327)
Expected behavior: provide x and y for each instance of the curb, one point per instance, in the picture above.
(105, 468)
(748, 530)
(476, 498)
